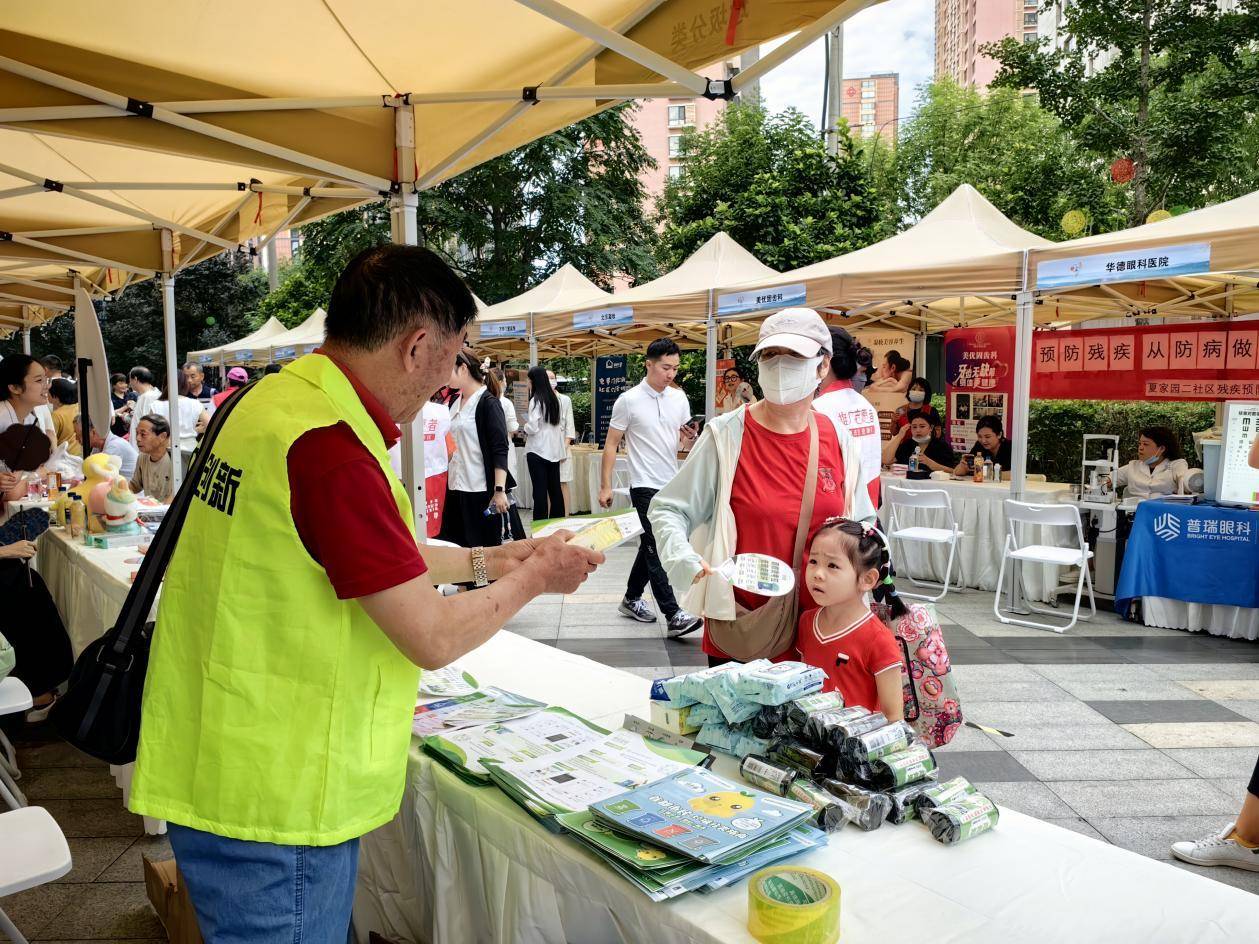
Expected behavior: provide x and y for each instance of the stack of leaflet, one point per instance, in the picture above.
(692, 830)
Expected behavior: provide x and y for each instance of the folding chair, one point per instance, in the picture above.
(927, 500)
(1021, 513)
(15, 697)
(621, 480)
(36, 853)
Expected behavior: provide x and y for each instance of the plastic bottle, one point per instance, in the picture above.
(77, 516)
(914, 460)
(979, 469)
(996, 471)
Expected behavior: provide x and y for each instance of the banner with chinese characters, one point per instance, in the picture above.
(611, 381)
(979, 378)
(1201, 361)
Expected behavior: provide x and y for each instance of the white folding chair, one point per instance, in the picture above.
(1021, 513)
(35, 853)
(621, 479)
(15, 697)
(934, 499)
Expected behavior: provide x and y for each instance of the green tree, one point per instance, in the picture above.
(573, 196)
(1006, 146)
(216, 301)
(1169, 84)
(768, 182)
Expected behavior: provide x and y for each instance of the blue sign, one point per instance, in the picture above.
(611, 381)
(1157, 262)
(242, 356)
(283, 353)
(504, 329)
(603, 318)
(761, 299)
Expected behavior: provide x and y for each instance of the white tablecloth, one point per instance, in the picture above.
(463, 863)
(90, 586)
(980, 514)
(584, 488)
(1235, 622)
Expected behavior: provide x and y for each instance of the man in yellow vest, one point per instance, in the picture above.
(297, 606)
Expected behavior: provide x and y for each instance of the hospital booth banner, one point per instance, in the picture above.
(881, 343)
(1200, 361)
(979, 380)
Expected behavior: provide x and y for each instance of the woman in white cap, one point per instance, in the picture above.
(743, 490)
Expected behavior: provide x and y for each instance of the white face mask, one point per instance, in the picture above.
(921, 440)
(786, 379)
(916, 396)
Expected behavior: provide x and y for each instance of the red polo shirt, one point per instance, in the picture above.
(343, 506)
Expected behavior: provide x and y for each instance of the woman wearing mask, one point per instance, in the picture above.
(925, 435)
(917, 400)
(477, 511)
(759, 479)
(547, 446)
(1158, 468)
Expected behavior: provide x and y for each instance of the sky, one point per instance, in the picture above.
(894, 36)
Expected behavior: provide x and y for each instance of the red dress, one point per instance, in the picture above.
(765, 497)
(851, 656)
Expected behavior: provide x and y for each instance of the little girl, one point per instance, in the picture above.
(845, 561)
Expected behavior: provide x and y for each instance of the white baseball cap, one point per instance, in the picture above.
(801, 330)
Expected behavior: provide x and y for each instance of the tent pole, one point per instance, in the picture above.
(404, 230)
(26, 340)
(710, 363)
(920, 347)
(172, 356)
(1019, 423)
(533, 343)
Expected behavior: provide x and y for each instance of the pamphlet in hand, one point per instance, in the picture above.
(701, 815)
(448, 682)
(599, 533)
(760, 574)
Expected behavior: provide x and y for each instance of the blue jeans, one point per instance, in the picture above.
(255, 892)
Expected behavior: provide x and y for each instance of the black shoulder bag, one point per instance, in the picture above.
(100, 712)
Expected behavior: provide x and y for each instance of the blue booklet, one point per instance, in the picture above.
(701, 815)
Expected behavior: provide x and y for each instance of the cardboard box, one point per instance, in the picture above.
(168, 893)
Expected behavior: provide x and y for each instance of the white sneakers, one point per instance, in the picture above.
(1218, 849)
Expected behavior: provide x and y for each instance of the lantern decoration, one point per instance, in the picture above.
(1073, 222)
(1122, 170)
(1157, 215)
(211, 320)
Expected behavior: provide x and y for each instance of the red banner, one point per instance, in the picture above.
(1213, 361)
(979, 374)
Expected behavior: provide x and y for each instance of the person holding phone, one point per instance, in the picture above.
(654, 420)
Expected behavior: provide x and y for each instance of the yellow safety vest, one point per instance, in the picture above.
(273, 711)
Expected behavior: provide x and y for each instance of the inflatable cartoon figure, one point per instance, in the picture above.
(120, 507)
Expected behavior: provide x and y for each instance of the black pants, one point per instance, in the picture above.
(1253, 788)
(34, 629)
(647, 564)
(548, 498)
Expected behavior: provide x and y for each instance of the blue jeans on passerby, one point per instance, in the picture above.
(261, 893)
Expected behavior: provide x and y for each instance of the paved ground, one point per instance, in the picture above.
(1130, 735)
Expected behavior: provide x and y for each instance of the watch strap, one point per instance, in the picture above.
(480, 572)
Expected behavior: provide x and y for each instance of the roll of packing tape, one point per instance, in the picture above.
(793, 905)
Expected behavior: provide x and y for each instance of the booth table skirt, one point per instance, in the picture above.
(584, 488)
(90, 586)
(1235, 622)
(980, 514)
(465, 864)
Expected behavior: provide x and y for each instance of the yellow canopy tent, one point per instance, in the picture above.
(242, 350)
(297, 341)
(507, 328)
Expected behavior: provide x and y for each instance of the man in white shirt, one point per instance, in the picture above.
(113, 445)
(651, 418)
(141, 380)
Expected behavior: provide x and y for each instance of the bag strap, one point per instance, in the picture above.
(807, 499)
(139, 603)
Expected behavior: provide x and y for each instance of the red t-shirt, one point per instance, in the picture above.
(765, 496)
(870, 648)
(344, 509)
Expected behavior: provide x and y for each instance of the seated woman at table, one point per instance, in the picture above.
(989, 444)
(926, 434)
(917, 400)
(1158, 468)
(31, 623)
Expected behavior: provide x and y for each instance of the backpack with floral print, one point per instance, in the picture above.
(932, 707)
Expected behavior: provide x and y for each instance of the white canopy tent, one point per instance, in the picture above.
(162, 125)
(295, 342)
(230, 353)
(510, 323)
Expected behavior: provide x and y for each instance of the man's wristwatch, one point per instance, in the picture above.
(480, 572)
